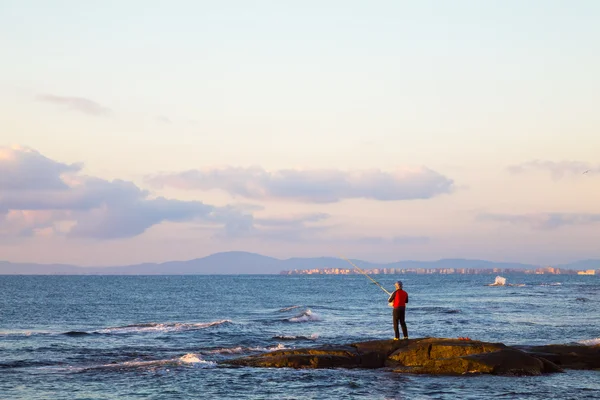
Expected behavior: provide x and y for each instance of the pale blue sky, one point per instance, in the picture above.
(282, 104)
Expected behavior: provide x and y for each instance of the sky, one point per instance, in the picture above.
(146, 131)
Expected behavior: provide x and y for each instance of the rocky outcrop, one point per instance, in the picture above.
(432, 356)
(573, 356)
(448, 356)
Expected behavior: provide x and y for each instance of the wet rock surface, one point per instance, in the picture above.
(433, 356)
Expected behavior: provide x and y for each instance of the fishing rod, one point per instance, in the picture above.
(365, 274)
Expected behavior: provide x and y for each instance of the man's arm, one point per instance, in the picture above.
(392, 297)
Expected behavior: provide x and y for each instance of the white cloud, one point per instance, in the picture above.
(311, 186)
(17, 223)
(42, 196)
(23, 168)
(287, 228)
(80, 104)
(542, 221)
(35, 194)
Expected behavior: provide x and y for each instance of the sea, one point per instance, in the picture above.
(163, 337)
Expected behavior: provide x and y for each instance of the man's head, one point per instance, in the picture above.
(399, 285)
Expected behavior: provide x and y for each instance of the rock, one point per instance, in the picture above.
(417, 356)
(567, 356)
(321, 357)
(451, 356)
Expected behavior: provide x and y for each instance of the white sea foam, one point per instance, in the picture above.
(187, 359)
(191, 358)
(232, 350)
(500, 281)
(590, 342)
(306, 316)
(314, 336)
(239, 349)
(162, 327)
(19, 333)
(289, 308)
(279, 346)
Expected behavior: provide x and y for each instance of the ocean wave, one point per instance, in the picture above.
(306, 316)
(162, 327)
(441, 310)
(590, 342)
(185, 360)
(314, 336)
(24, 364)
(240, 349)
(501, 281)
(23, 333)
(76, 333)
(289, 308)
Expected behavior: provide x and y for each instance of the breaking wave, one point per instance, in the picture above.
(590, 342)
(162, 327)
(289, 308)
(240, 349)
(306, 316)
(499, 281)
(150, 365)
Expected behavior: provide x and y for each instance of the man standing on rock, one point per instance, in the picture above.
(398, 300)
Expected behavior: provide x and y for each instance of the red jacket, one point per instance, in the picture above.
(399, 297)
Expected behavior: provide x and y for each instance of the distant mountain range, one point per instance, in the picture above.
(238, 262)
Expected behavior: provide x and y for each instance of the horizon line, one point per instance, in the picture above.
(311, 257)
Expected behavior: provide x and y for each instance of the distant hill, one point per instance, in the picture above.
(239, 262)
(582, 265)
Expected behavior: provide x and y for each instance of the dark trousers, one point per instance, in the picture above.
(399, 317)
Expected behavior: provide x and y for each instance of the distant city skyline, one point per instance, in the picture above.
(136, 132)
(443, 271)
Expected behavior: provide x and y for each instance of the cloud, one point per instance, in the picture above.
(542, 221)
(557, 170)
(125, 218)
(42, 196)
(29, 223)
(81, 104)
(39, 193)
(311, 186)
(25, 168)
(283, 228)
(292, 221)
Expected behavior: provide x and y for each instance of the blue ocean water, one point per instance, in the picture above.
(161, 337)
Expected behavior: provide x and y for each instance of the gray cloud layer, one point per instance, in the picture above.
(38, 193)
(313, 186)
(33, 186)
(543, 221)
(558, 169)
(81, 104)
(22, 168)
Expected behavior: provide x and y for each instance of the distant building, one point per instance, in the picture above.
(587, 272)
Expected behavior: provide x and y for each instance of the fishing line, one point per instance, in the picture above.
(365, 274)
